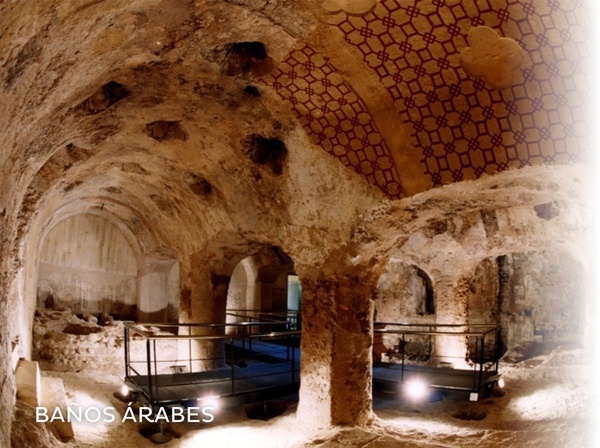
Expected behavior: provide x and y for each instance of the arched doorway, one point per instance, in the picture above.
(404, 294)
(265, 285)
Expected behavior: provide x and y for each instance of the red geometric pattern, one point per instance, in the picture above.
(464, 128)
(334, 116)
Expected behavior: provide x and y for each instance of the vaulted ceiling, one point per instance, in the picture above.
(476, 87)
(179, 111)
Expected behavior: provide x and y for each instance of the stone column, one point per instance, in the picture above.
(153, 296)
(336, 369)
(451, 307)
(203, 300)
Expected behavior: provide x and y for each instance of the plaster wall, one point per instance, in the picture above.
(159, 288)
(238, 287)
(87, 265)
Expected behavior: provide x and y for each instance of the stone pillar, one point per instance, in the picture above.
(336, 369)
(452, 301)
(154, 290)
(204, 300)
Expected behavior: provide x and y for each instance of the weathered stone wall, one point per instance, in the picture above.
(402, 294)
(7, 385)
(542, 298)
(484, 305)
(88, 266)
(65, 342)
(402, 297)
(155, 115)
(536, 295)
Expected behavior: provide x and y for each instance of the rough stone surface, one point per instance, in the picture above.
(139, 114)
(29, 389)
(27, 433)
(92, 348)
(53, 397)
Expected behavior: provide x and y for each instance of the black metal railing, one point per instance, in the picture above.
(426, 345)
(292, 318)
(165, 363)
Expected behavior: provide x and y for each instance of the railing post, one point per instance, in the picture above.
(190, 349)
(250, 336)
(475, 363)
(149, 371)
(481, 360)
(293, 365)
(403, 350)
(232, 368)
(155, 363)
(497, 349)
(126, 337)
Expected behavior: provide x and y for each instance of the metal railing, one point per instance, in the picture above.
(292, 317)
(480, 344)
(159, 358)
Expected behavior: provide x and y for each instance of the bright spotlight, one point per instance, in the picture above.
(416, 389)
(210, 401)
(124, 390)
(501, 383)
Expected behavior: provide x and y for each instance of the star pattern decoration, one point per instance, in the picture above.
(462, 126)
(334, 116)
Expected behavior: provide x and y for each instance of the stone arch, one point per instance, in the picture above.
(136, 232)
(259, 282)
(157, 277)
(206, 280)
(272, 279)
(404, 292)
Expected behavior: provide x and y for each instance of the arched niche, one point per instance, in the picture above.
(87, 264)
(240, 295)
(404, 294)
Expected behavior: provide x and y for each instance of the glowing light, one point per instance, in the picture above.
(501, 383)
(124, 390)
(552, 403)
(212, 401)
(416, 389)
